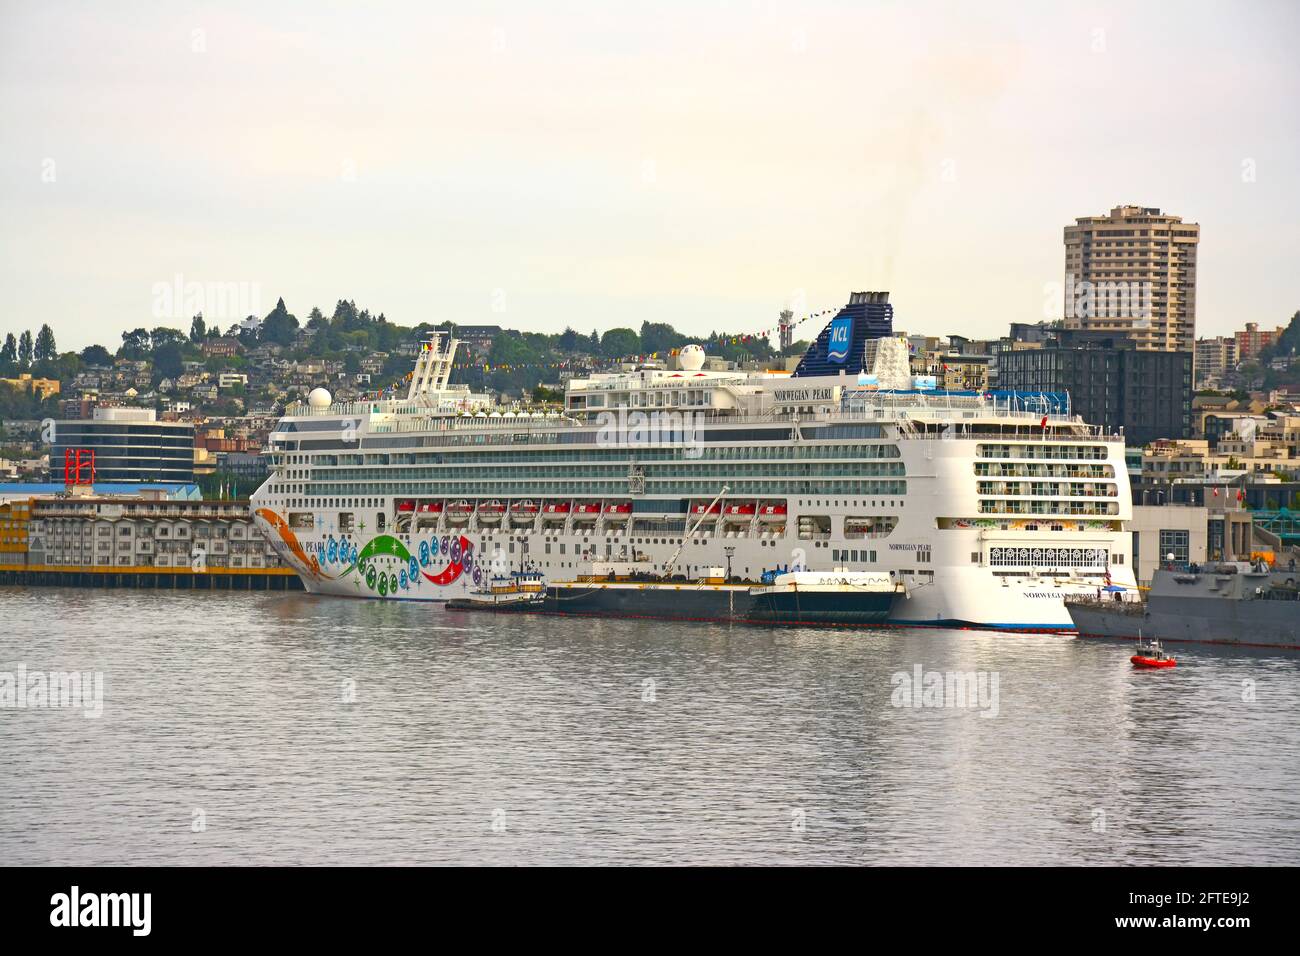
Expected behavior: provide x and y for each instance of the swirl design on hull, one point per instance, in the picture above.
(458, 550)
(309, 562)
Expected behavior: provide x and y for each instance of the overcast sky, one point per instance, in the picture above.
(599, 164)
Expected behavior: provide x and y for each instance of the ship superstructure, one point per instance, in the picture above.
(988, 507)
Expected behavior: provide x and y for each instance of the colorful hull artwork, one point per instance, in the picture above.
(309, 564)
(385, 566)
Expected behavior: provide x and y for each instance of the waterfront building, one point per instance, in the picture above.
(1132, 273)
(71, 532)
(1234, 457)
(128, 445)
(1147, 394)
(1221, 530)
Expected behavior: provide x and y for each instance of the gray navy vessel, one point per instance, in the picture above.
(1235, 603)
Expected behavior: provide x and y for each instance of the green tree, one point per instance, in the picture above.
(168, 361)
(135, 344)
(660, 337)
(617, 343)
(162, 336)
(346, 318)
(9, 353)
(1288, 343)
(25, 349)
(198, 329)
(279, 326)
(96, 355)
(570, 341)
(44, 350)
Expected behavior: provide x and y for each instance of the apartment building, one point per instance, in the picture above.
(1215, 357)
(1133, 273)
(1252, 340)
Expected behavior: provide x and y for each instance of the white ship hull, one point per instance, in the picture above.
(957, 597)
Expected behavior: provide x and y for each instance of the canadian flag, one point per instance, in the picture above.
(1043, 423)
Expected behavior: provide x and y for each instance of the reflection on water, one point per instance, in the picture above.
(260, 728)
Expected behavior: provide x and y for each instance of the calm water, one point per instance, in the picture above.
(482, 739)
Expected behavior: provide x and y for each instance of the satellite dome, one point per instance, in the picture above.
(319, 398)
(691, 358)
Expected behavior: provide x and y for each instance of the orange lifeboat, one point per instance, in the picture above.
(741, 511)
(707, 513)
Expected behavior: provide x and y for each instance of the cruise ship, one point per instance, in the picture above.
(990, 508)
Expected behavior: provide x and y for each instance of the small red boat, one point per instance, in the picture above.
(1151, 656)
(1144, 662)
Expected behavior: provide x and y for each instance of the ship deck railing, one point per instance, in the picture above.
(975, 424)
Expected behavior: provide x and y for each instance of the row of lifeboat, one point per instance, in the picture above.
(526, 511)
(739, 512)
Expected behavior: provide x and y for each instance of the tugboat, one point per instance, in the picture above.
(1151, 656)
(516, 591)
